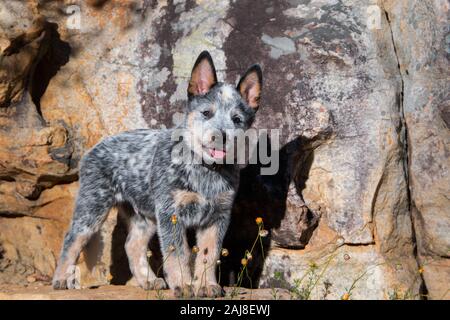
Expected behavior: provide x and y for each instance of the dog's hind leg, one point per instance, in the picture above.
(140, 232)
(93, 203)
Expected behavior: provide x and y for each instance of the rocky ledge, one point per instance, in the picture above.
(110, 292)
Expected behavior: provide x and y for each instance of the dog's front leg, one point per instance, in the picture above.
(175, 249)
(209, 242)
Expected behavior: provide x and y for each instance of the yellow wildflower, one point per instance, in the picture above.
(224, 252)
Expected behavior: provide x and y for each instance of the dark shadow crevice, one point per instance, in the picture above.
(266, 197)
(55, 54)
(404, 140)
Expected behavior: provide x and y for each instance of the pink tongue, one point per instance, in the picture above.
(217, 153)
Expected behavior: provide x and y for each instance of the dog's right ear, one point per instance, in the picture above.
(203, 76)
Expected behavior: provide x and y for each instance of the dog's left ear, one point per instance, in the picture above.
(203, 76)
(250, 86)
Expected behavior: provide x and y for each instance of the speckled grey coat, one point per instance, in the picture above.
(167, 196)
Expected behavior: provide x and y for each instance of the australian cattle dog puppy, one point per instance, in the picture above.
(137, 168)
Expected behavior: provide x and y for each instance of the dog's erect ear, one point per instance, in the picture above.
(203, 76)
(250, 86)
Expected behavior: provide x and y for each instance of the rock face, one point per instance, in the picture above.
(359, 90)
(423, 60)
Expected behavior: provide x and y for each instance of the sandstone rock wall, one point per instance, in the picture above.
(359, 90)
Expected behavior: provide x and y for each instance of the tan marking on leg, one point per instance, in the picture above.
(136, 248)
(183, 198)
(178, 273)
(71, 256)
(205, 262)
(176, 267)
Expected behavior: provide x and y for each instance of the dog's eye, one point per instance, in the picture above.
(237, 120)
(206, 113)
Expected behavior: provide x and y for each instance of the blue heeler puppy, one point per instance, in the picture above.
(137, 168)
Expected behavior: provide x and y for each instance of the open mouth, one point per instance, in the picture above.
(215, 153)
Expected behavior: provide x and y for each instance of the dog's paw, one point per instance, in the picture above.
(59, 284)
(155, 284)
(159, 284)
(186, 292)
(210, 291)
